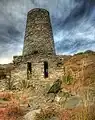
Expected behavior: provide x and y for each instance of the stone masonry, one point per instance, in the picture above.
(39, 48)
(38, 34)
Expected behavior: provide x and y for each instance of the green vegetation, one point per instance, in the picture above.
(86, 52)
(80, 53)
(24, 84)
(67, 79)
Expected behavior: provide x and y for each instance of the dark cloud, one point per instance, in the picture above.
(69, 47)
(73, 23)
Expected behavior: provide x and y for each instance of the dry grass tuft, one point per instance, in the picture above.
(80, 113)
(11, 112)
(11, 109)
(6, 95)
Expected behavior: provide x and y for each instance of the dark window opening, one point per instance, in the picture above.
(35, 52)
(29, 67)
(45, 69)
(49, 53)
(59, 64)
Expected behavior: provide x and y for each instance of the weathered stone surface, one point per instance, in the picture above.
(72, 103)
(38, 35)
(31, 115)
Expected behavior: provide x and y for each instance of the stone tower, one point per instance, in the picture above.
(38, 34)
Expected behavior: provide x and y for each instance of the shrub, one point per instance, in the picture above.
(11, 109)
(67, 79)
(6, 96)
(9, 82)
(24, 84)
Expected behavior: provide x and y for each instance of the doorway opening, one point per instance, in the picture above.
(45, 69)
(28, 69)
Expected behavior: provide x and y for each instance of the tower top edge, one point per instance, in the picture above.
(38, 9)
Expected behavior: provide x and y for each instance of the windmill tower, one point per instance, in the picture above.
(38, 34)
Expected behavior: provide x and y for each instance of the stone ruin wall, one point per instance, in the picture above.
(55, 69)
(37, 72)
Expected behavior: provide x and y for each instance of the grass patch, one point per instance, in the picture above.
(67, 79)
(25, 84)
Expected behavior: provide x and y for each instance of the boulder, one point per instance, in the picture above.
(31, 115)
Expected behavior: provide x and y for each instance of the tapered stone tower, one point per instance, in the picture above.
(38, 35)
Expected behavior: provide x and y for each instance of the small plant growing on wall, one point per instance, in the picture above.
(67, 79)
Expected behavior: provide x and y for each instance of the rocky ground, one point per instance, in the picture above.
(75, 101)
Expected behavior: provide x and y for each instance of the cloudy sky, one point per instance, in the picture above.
(73, 23)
